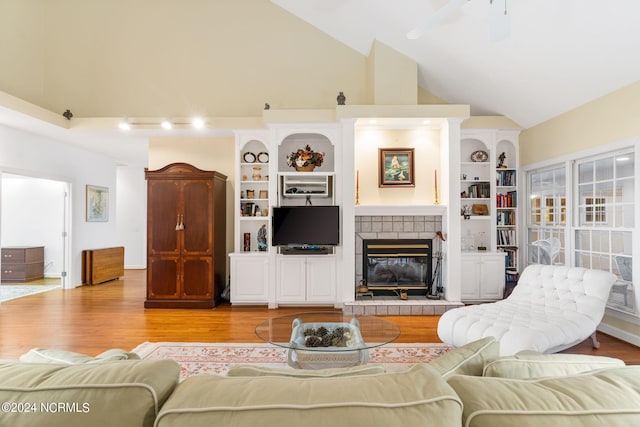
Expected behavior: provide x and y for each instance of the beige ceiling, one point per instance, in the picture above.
(558, 54)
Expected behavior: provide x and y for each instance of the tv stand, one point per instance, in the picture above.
(306, 250)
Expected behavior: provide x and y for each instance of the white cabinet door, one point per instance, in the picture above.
(482, 276)
(304, 279)
(291, 278)
(249, 278)
(492, 273)
(321, 278)
(470, 286)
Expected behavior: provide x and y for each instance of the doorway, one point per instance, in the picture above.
(34, 214)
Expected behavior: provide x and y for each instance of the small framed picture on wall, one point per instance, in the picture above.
(396, 167)
(97, 204)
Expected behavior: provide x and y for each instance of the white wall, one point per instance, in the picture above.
(33, 215)
(131, 212)
(32, 155)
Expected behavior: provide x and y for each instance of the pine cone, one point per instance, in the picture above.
(326, 340)
(313, 341)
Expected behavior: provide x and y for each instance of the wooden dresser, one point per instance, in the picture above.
(22, 263)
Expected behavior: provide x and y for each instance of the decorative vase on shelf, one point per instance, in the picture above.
(306, 168)
(305, 159)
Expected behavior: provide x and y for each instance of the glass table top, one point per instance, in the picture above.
(340, 332)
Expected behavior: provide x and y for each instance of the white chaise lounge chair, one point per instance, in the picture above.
(552, 308)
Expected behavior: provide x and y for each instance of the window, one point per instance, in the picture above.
(547, 216)
(597, 226)
(603, 235)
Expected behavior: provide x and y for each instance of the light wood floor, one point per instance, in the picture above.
(91, 319)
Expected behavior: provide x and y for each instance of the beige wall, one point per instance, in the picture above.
(426, 97)
(149, 58)
(394, 77)
(216, 154)
(427, 159)
(614, 117)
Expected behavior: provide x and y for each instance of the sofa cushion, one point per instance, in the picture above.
(415, 397)
(607, 397)
(42, 355)
(530, 364)
(122, 393)
(468, 359)
(257, 371)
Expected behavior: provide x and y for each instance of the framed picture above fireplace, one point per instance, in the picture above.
(396, 167)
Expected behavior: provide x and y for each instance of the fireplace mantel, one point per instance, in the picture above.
(400, 210)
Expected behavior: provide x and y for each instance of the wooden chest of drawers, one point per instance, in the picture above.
(22, 263)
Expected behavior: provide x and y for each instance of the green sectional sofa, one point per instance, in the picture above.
(470, 386)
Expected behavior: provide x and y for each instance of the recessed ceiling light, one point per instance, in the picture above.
(166, 124)
(124, 125)
(197, 122)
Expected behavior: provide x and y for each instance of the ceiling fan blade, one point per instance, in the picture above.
(440, 14)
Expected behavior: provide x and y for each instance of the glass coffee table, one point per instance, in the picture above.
(327, 339)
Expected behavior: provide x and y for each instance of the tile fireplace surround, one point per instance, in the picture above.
(396, 227)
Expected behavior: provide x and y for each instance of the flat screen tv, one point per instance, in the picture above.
(305, 225)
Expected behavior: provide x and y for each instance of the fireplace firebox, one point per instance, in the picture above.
(397, 264)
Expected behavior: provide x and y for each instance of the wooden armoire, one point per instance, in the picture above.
(186, 229)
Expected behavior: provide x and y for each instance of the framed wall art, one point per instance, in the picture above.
(97, 204)
(396, 167)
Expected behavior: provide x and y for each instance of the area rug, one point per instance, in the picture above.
(217, 358)
(9, 292)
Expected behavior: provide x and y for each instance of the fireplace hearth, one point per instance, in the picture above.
(395, 265)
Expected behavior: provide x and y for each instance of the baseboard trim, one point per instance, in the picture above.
(620, 334)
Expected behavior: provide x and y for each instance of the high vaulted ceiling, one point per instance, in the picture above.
(556, 56)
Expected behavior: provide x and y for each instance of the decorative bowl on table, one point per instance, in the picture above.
(319, 345)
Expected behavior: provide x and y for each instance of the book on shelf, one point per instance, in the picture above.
(479, 191)
(506, 218)
(510, 260)
(511, 275)
(506, 178)
(508, 200)
(506, 237)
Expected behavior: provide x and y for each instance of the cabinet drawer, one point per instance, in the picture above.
(12, 256)
(22, 272)
(22, 255)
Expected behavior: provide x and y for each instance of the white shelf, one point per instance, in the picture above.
(478, 218)
(305, 184)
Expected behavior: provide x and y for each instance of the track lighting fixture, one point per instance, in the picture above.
(168, 124)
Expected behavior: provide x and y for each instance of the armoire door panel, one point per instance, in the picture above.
(198, 214)
(162, 277)
(163, 217)
(197, 277)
